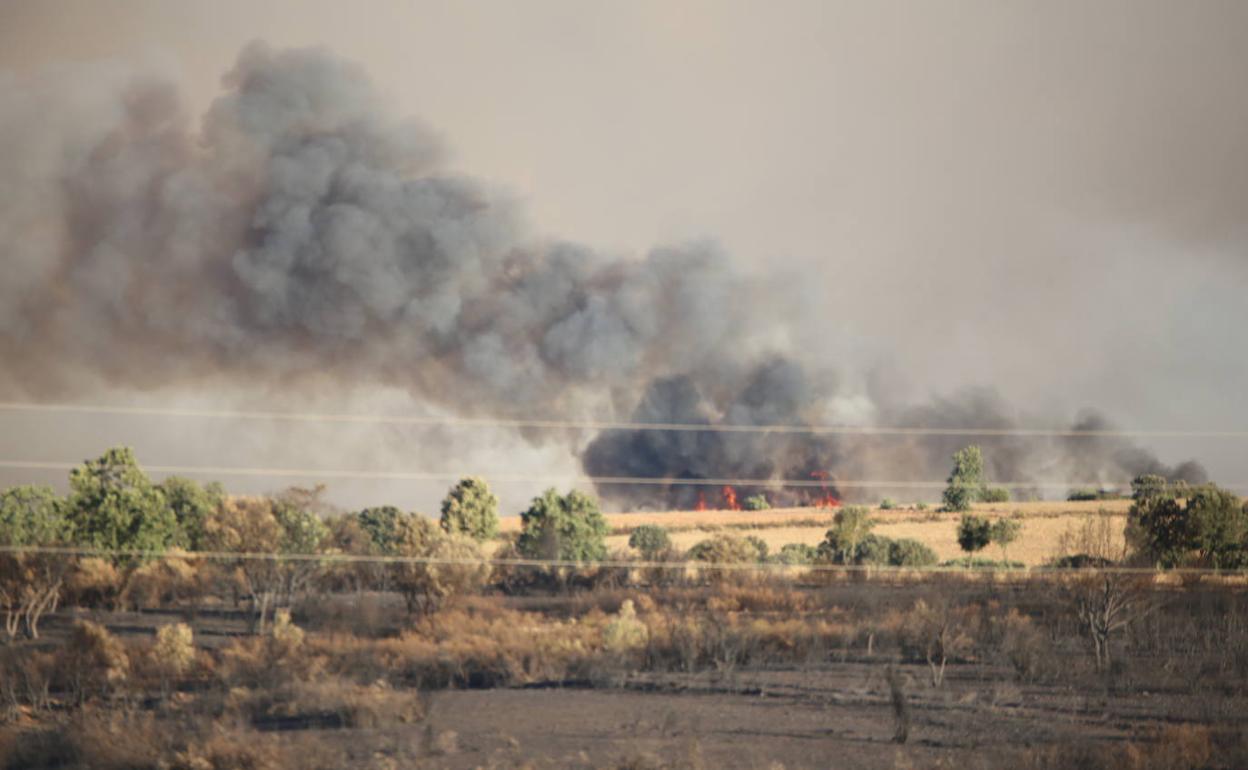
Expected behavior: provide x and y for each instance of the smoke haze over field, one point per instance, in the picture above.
(296, 238)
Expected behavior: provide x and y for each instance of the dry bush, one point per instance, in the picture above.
(936, 632)
(625, 635)
(427, 586)
(275, 658)
(162, 582)
(92, 583)
(93, 663)
(723, 638)
(329, 702)
(125, 740)
(479, 645)
(25, 681)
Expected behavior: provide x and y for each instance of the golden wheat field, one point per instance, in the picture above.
(1044, 523)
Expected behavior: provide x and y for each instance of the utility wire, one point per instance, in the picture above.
(327, 473)
(600, 425)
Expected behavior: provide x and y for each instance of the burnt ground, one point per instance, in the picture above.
(829, 713)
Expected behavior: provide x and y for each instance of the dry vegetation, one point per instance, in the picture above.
(1044, 524)
(961, 670)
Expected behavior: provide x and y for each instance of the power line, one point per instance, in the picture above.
(342, 558)
(601, 425)
(325, 473)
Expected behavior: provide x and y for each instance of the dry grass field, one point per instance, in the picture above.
(1044, 523)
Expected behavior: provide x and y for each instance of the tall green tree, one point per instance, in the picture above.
(192, 503)
(966, 480)
(113, 505)
(850, 528)
(471, 509)
(565, 527)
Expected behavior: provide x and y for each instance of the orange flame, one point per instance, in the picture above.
(826, 499)
(730, 499)
(701, 506)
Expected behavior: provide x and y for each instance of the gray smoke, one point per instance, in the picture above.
(300, 236)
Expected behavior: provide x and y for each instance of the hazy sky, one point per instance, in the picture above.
(1048, 198)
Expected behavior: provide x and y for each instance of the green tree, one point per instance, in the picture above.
(850, 527)
(564, 527)
(1157, 524)
(192, 504)
(113, 505)
(1003, 532)
(384, 525)
(966, 481)
(471, 509)
(650, 540)
(1217, 528)
(974, 533)
(30, 582)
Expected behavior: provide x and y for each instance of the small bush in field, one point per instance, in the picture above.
(887, 504)
(650, 540)
(625, 633)
(974, 532)
(920, 506)
(1003, 532)
(797, 553)
(995, 495)
(757, 503)
(905, 552)
(723, 549)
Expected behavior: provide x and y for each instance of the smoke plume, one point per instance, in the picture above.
(301, 236)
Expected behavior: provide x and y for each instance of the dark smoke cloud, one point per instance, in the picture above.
(301, 236)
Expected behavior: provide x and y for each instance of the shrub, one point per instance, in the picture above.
(471, 509)
(933, 632)
(563, 527)
(974, 533)
(724, 549)
(757, 503)
(93, 662)
(760, 547)
(851, 525)
(995, 495)
(920, 506)
(797, 553)
(887, 504)
(625, 634)
(650, 540)
(905, 552)
(173, 654)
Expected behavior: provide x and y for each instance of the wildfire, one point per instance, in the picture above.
(826, 499)
(730, 499)
(701, 506)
